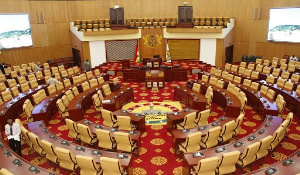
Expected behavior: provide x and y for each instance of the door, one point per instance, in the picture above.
(76, 57)
(229, 54)
(185, 14)
(117, 16)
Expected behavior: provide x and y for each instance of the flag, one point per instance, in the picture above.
(137, 55)
(168, 56)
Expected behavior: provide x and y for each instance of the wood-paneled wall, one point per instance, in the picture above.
(54, 36)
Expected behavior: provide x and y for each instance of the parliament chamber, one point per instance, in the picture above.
(150, 87)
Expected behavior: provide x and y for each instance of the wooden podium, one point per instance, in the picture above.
(155, 79)
(152, 63)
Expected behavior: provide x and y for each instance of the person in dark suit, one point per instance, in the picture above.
(2, 66)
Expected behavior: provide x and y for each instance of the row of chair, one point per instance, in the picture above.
(226, 163)
(151, 24)
(67, 160)
(214, 21)
(195, 141)
(93, 27)
(120, 142)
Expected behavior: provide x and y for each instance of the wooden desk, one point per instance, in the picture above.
(93, 127)
(292, 99)
(14, 107)
(180, 136)
(282, 169)
(118, 99)
(275, 122)
(154, 79)
(260, 102)
(134, 75)
(138, 121)
(47, 108)
(225, 99)
(153, 63)
(173, 119)
(37, 128)
(7, 162)
(190, 98)
(82, 102)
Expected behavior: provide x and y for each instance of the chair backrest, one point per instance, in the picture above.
(213, 71)
(73, 130)
(270, 79)
(123, 141)
(230, 77)
(237, 79)
(196, 87)
(238, 123)
(100, 80)
(189, 120)
(22, 80)
(54, 70)
(283, 66)
(295, 78)
(64, 73)
(220, 84)
(218, 72)
(243, 64)
(224, 74)
(276, 72)
(227, 162)
(11, 83)
(124, 123)
(51, 89)
(111, 166)
(280, 82)
(288, 86)
(192, 142)
(227, 67)
(70, 71)
(267, 70)
(213, 80)
(108, 118)
(249, 154)
(31, 77)
(247, 73)
(285, 75)
(106, 90)
(254, 75)
(14, 91)
(6, 96)
(258, 61)
(97, 72)
(85, 133)
(85, 86)
(263, 147)
(67, 82)
(259, 68)
(251, 66)
(274, 64)
(271, 94)
(99, 92)
(82, 77)
(247, 82)
(49, 149)
(60, 105)
(89, 75)
(234, 68)
(87, 165)
(254, 86)
(69, 95)
(211, 138)
(2, 87)
(4, 171)
(207, 166)
(241, 70)
(227, 131)
(203, 117)
(61, 68)
(264, 89)
(291, 68)
(93, 83)
(105, 139)
(205, 78)
(59, 86)
(75, 91)
(76, 79)
(66, 158)
(36, 143)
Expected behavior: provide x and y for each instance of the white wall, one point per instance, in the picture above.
(208, 50)
(97, 52)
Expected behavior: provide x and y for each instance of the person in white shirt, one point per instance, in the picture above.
(294, 58)
(13, 131)
(53, 81)
(37, 67)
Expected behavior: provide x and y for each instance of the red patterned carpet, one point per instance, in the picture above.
(156, 154)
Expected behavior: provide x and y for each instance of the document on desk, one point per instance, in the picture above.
(105, 101)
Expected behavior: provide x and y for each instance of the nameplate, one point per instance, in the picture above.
(105, 101)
